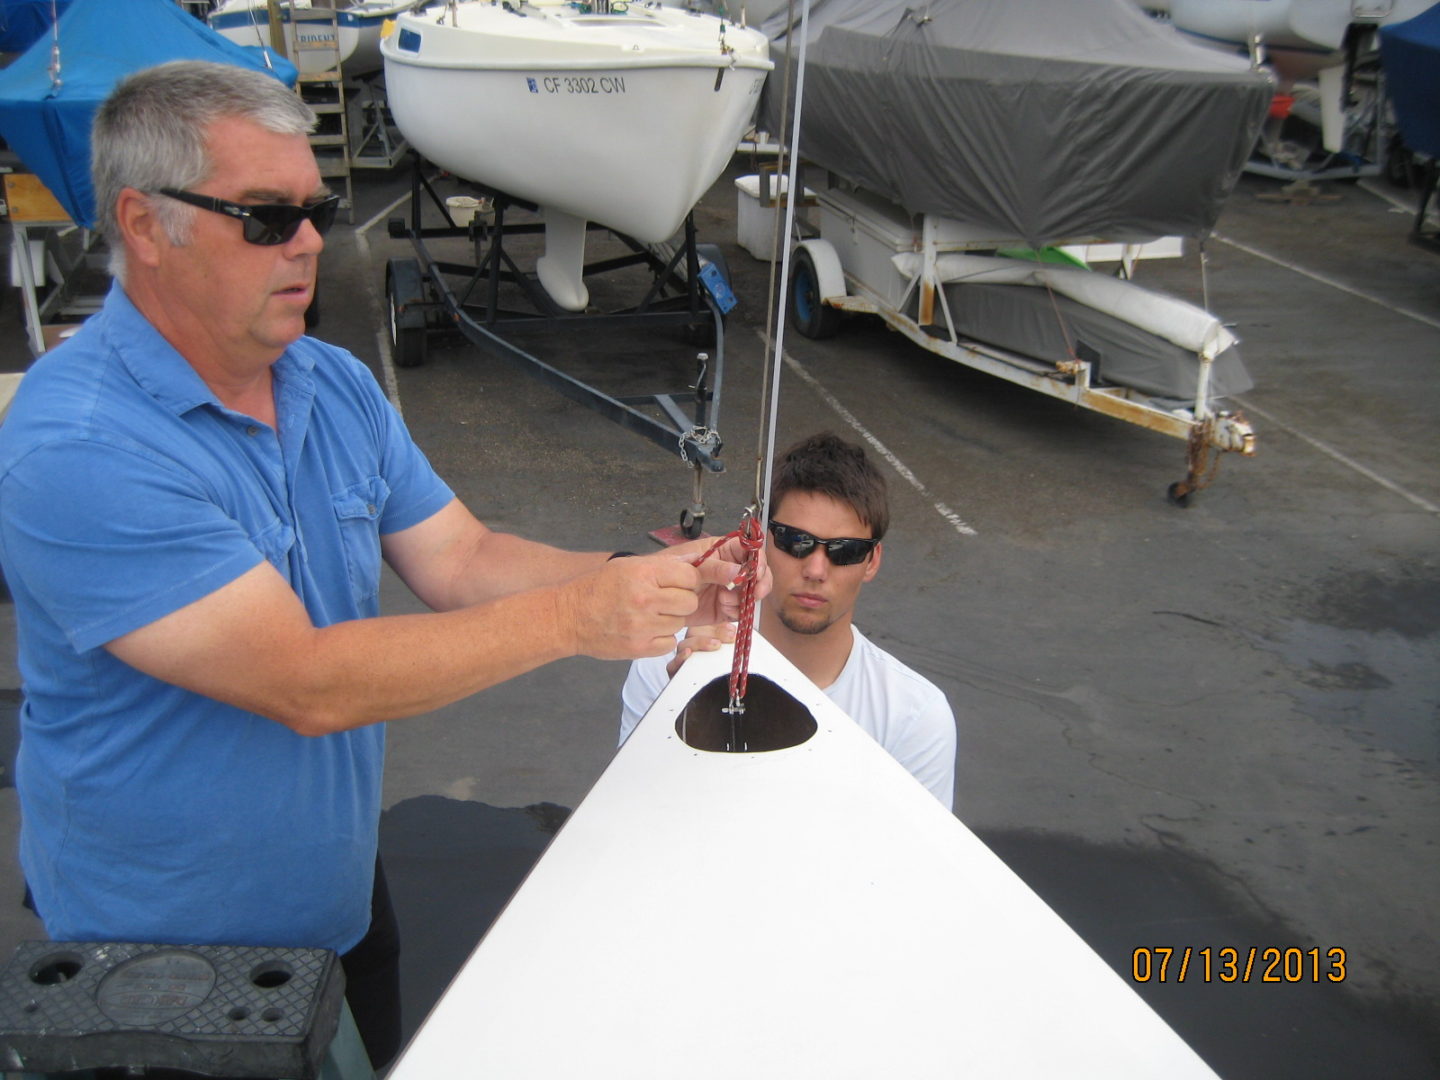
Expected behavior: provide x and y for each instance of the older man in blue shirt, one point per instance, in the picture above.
(195, 501)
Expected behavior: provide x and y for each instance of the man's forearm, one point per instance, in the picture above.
(252, 644)
(368, 670)
(528, 565)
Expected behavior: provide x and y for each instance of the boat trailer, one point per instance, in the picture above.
(687, 292)
(892, 271)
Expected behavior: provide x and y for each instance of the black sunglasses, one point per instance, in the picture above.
(267, 224)
(844, 551)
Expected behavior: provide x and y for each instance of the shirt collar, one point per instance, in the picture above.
(161, 371)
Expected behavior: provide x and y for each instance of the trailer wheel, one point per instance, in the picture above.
(1399, 163)
(808, 314)
(407, 343)
(1179, 494)
(692, 524)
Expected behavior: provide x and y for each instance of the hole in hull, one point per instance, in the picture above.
(772, 720)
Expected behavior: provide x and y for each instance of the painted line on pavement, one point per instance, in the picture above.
(954, 519)
(1417, 316)
(1324, 448)
(379, 309)
(1350, 463)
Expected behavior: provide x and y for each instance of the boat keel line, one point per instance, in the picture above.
(954, 519)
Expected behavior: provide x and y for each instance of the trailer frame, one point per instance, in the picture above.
(688, 291)
(823, 287)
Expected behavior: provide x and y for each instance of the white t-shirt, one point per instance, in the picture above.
(902, 710)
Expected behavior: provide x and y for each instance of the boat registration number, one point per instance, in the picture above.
(578, 84)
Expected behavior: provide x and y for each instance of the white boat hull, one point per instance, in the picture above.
(809, 911)
(247, 22)
(1300, 37)
(368, 18)
(626, 135)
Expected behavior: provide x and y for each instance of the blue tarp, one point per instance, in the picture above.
(101, 41)
(1410, 55)
(22, 22)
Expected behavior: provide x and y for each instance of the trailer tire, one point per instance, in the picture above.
(407, 343)
(692, 523)
(1179, 495)
(809, 314)
(1399, 163)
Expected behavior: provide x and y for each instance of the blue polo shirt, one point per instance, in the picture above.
(127, 491)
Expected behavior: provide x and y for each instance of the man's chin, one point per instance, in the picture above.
(806, 622)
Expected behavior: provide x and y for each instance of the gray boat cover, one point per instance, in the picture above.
(1044, 120)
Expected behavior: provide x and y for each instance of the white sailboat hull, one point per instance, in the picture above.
(1300, 37)
(801, 912)
(601, 122)
(247, 22)
(369, 17)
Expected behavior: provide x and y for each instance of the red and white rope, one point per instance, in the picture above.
(752, 540)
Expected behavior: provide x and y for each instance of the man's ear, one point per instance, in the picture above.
(872, 567)
(139, 226)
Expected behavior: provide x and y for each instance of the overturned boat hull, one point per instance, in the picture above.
(776, 910)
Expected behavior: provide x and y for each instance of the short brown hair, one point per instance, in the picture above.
(825, 464)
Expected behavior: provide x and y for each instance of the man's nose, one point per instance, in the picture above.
(307, 239)
(816, 565)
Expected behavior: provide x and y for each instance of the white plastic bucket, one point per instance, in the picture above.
(464, 208)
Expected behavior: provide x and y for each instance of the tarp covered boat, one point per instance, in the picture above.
(45, 115)
(1410, 52)
(1035, 119)
(22, 22)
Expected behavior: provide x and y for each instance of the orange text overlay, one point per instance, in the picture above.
(1237, 964)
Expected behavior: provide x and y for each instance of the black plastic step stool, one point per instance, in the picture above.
(212, 1010)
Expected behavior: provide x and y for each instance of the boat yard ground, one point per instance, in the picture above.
(1215, 727)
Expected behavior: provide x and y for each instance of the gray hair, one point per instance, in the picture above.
(150, 134)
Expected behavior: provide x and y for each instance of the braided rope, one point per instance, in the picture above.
(752, 539)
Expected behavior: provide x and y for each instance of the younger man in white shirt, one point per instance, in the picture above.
(828, 514)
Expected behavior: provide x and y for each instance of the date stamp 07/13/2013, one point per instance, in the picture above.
(1237, 964)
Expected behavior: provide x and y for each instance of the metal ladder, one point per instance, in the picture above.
(312, 43)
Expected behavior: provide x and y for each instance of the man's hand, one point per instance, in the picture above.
(718, 605)
(629, 608)
(701, 639)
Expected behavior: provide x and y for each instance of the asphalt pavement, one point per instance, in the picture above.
(1215, 727)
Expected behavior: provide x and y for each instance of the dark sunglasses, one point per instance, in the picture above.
(844, 551)
(269, 223)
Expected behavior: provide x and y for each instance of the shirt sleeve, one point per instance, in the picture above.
(928, 746)
(647, 677)
(108, 538)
